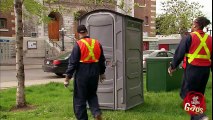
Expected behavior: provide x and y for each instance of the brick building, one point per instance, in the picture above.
(45, 33)
(7, 24)
(147, 12)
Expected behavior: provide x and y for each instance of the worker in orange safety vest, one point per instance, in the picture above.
(196, 50)
(88, 62)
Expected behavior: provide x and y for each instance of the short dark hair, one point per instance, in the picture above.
(81, 29)
(202, 22)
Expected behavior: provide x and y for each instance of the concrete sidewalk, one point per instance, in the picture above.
(29, 63)
(13, 67)
(12, 84)
(26, 60)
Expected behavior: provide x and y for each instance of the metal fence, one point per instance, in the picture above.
(7, 51)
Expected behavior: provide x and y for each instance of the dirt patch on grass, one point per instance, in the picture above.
(25, 108)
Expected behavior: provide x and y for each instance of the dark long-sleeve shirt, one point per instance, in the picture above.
(74, 61)
(181, 50)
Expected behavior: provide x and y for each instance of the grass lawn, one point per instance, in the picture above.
(53, 102)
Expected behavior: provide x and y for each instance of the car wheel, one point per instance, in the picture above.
(59, 74)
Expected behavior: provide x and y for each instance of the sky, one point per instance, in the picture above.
(207, 9)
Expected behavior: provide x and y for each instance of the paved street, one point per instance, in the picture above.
(33, 74)
(30, 74)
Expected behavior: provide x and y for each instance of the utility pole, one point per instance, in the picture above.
(62, 31)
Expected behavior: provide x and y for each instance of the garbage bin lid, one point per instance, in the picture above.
(159, 58)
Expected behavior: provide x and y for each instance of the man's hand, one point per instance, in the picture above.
(102, 78)
(66, 82)
(170, 70)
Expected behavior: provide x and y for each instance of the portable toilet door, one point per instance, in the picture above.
(105, 35)
(107, 27)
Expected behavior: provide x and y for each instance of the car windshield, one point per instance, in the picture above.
(146, 52)
(64, 56)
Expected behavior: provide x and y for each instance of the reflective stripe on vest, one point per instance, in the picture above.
(90, 48)
(201, 45)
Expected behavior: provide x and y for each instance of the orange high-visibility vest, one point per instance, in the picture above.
(200, 50)
(184, 63)
(90, 50)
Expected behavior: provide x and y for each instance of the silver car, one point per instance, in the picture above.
(155, 53)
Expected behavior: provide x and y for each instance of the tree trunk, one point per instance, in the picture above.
(20, 94)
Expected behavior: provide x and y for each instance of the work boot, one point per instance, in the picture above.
(98, 117)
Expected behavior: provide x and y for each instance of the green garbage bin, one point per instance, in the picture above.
(158, 78)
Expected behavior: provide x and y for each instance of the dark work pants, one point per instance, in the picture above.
(195, 79)
(85, 88)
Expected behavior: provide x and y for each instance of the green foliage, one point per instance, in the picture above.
(78, 14)
(165, 24)
(122, 4)
(177, 17)
(6, 5)
(54, 102)
(31, 9)
(34, 7)
(51, 1)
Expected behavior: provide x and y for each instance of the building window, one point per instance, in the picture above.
(146, 20)
(3, 23)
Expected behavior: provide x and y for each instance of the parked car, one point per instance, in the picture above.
(155, 53)
(57, 65)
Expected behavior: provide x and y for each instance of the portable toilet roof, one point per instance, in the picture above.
(121, 39)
